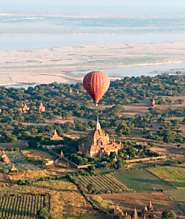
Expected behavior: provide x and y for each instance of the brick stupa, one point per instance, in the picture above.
(42, 108)
(56, 137)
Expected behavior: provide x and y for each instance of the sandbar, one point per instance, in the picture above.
(32, 66)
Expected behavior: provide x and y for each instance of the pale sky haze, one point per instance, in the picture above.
(131, 3)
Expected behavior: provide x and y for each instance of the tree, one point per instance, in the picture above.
(168, 214)
(168, 138)
(92, 188)
(32, 143)
(113, 155)
(92, 168)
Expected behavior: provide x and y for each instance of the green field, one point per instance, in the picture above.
(104, 183)
(19, 160)
(141, 180)
(19, 206)
(179, 197)
(175, 175)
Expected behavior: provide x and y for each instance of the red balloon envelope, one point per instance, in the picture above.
(96, 84)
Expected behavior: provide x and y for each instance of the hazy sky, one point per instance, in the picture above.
(142, 3)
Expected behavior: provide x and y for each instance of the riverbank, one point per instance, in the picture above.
(69, 64)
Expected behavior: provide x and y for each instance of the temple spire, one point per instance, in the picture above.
(98, 127)
(135, 214)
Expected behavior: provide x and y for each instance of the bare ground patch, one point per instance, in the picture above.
(129, 201)
(21, 144)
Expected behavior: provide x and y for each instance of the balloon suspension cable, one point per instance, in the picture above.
(96, 104)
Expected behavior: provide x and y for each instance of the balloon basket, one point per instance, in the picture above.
(96, 104)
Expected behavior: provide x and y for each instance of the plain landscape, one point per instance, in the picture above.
(46, 114)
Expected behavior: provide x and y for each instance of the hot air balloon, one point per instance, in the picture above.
(96, 84)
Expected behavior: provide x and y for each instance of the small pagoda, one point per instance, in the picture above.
(4, 158)
(13, 169)
(56, 137)
(153, 103)
(118, 211)
(150, 206)
(24, 108)
(42, 108)
(135, 216)
(145, 212)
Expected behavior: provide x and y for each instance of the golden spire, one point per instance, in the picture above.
(41, 108)
(135, 214)
(98, 127)
(55, 133)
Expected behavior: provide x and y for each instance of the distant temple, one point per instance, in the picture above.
(49, 162)
(56, 137)
(150, 207)
(24, 108)
(135, 216)
(70, 91)
(4, 158)
(41, 108)
(153, 103)
(118, 211)
(13, 169)
(97, 143)
(145, 212)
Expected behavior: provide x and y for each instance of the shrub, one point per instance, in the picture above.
(6, 171)
(168, 214)
(43, 213)
(28, 182)
(20, 182)
(92, 188)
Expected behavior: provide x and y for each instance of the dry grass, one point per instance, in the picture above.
(36, 154)
(179, 196)
(104, 204)
(180, 151)
(3, 180)
(36, 174)
(129, 201)
(58, 119)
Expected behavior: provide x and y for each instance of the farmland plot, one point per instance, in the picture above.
(104, 183)
(175, 175)
(18, 159)
(142, 180)
(178, 196)
(129, 201)
(65, 197)
(36, 154)
(26, 205)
